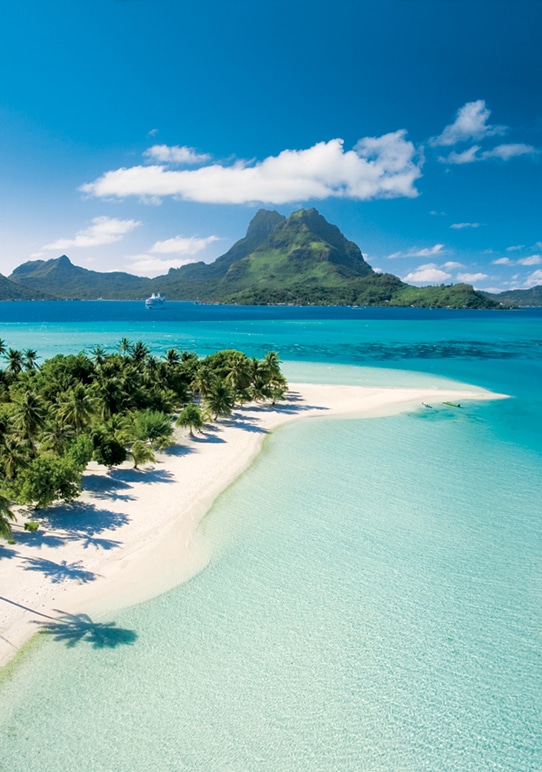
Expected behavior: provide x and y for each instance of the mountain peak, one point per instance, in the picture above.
(262, 224)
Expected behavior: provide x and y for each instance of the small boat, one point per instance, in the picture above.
(452, 404)
(156, 300)
(426, 405)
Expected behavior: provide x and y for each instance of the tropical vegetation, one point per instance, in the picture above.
(107, 406)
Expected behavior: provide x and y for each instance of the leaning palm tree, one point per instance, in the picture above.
(220, 400)
(6, 515)
(191, 418)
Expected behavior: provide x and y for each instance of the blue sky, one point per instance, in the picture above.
(139, 135)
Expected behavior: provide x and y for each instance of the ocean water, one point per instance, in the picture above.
(374, 597)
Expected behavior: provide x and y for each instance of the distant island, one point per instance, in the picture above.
(300, 260)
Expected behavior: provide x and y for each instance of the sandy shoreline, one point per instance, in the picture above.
(132, 534)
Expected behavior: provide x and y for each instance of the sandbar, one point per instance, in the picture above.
(133, 534)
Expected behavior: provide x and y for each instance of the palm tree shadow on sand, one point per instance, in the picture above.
(72, 629)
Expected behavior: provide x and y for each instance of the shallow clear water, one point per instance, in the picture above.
(373, 601)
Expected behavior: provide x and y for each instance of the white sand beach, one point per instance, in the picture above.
(132, 534)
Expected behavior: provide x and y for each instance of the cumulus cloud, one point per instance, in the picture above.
(531, 260)
(183, 245)
(471, 123)
(451, 264)
(427, 274)
(534, 279)
(436, 249)
(175, 155)
(378, 167)
(501, 152)
(502, 261)
(471, 278)
(104, 230)
(460, 225)
(516, 247)
(150, 265)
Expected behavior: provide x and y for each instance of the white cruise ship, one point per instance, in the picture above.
(156, 300)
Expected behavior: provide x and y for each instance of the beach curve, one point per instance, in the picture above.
(132, 535)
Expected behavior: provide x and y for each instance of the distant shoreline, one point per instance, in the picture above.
(133, 535)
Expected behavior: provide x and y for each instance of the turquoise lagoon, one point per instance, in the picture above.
(373, 599)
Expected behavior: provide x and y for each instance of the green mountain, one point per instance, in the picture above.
(298, 259)
(523, 298)
(301, 259)
(10, 290)
(62, 279)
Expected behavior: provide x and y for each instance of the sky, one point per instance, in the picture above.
(140, 135)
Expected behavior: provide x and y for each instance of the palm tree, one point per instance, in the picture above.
(139, 352)
(98, 355)
(30, 357)
(153, 426)
(172, 357)
(125, 346)
(2, 346)
(141, 453)
(203, 382)
(29, 414)
(6, 515)
(191, 417)
(108, 396)
(220, 399)
(57, 436)
(15, 361)
(76, 408)
(15, 455)
(240, 375)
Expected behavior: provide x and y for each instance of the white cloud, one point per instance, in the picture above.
(436, 249)
(534, 279)
(466, 157)
(450, 265)
(36, 255)
(502, 152)
(183, 245)
(176, 155)
(471, 278)
(506, 152)
(531, 260)
(460, 225)
(378, 167)
(502, 261)
(104, 230)
(149, 265)
(427, 274)
(470, 124)
(516, 247)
